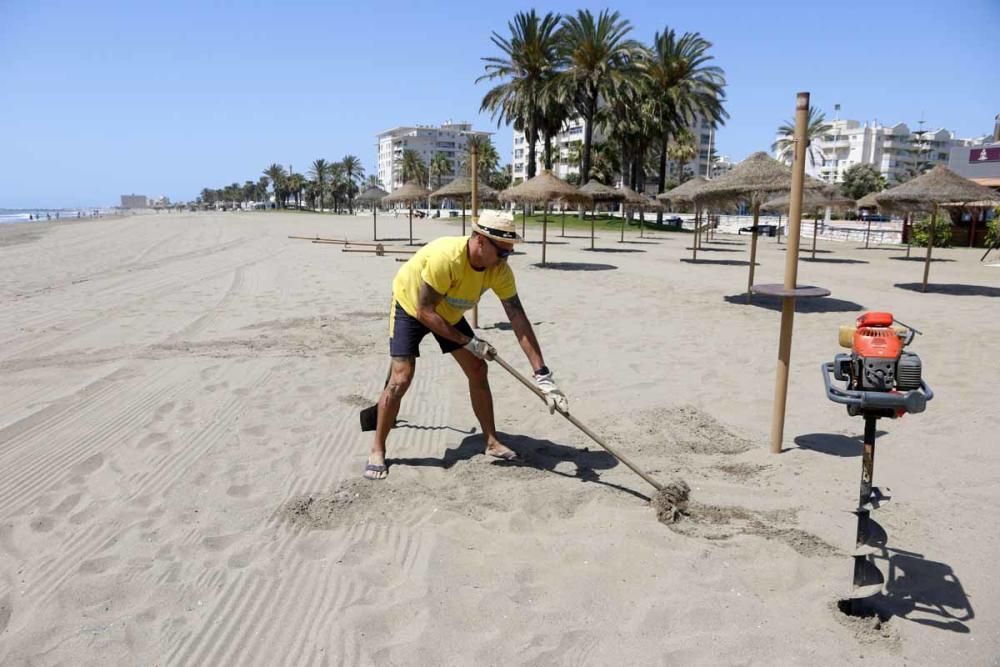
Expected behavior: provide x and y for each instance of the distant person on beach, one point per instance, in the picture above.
(430, 294)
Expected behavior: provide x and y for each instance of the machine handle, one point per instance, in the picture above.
(914, 400)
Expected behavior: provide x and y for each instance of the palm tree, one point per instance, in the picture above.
(276, 173)
(296, 182)
(681, 151)
(486, 157)
(529, 58)
(374, 182)
(260, 189)
(354, 172)
(816, 126)
(337, 185)
(412, 167)
(597, 55)
(683, 87)
(439, 168)
(320, 171)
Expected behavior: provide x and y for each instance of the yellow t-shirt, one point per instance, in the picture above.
(444, 265)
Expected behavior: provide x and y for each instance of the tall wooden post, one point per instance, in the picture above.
(930, 246)
(474, 167)
(791, 274)
(753, 247)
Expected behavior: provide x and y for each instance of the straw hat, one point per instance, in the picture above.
(498, 226)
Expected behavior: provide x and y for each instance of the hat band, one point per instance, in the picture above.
(504, 234)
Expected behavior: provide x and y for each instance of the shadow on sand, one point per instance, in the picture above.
(914, 258)
(820, 305)
(952, 289)
(539, 454)
(833, 444)
(619, 250)
(719, 262)
(575, 266)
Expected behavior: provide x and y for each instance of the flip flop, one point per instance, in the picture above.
(509, 456)
(375, 468)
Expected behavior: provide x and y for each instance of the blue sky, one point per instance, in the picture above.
(103, 98)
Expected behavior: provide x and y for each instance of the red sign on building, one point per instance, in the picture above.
(984, 155)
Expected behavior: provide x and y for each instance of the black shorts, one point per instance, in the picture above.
(408, 331)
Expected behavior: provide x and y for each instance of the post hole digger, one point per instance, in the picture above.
(881, 380)
(669, 500)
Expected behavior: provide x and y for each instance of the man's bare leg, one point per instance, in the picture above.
(482, 402)
(400, 376)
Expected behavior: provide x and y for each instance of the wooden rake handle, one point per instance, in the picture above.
(576, 422)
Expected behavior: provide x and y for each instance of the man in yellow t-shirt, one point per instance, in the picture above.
(430, 294)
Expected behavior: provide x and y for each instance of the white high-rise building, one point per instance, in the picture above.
(892, 149)
(450, 139)
(562, 149)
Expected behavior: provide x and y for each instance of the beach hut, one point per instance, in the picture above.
(927, 193)
(407, 194)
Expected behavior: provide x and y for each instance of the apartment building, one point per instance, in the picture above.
(564, 150)
(894, 150)
(450, 139)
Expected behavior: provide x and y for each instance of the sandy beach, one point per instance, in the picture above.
(180, 457)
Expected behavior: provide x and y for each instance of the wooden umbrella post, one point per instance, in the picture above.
(815, 230)
(474, 196)
(791, 275)
(563, 220)
(753, 247)
(593, 216)
(463, 216)
(374, 223)
(694, 245)
(545, 227)
(868, 231)
(930, 247)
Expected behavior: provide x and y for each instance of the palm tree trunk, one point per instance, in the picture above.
(532, 136)
(548, 151)
(661, 185)
(588, 137)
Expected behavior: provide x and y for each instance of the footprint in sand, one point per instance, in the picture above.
(151, 439)
(165, 409)
(42, 524)
(98, 565)
(220, 542)
(239, 490)
(6, 609)
(67, 504)
(84, 468)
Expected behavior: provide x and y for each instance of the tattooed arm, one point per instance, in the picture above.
(522, 329)
(427, 302)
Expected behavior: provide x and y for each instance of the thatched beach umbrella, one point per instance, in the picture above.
(812, 200)
(868, 201)
(407, 194)
(461, 188)
(927, 192)
(685, 192)
(756, 179)
(543, 189)
(373, 195)
(632, 200)
(599, 193)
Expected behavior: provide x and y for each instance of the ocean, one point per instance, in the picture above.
(44, 214)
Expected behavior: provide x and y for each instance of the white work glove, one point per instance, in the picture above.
(554, 398)
(479, 347)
